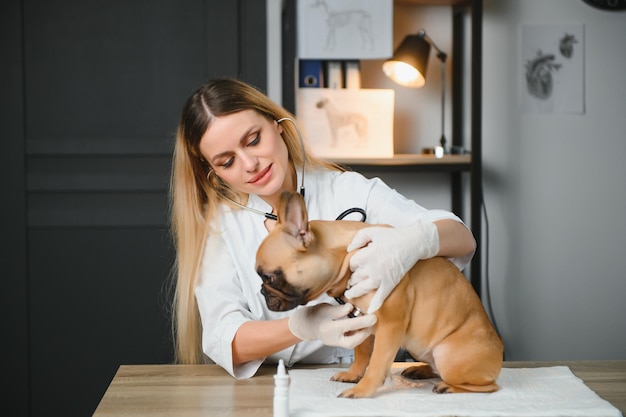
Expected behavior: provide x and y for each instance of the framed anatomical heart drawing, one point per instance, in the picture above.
(552, 68)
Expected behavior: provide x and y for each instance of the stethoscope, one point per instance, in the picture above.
(272, 216)
(354, 313)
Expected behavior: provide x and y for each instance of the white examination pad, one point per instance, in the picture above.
(529, 392)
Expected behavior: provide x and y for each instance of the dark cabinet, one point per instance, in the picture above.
(92, 92)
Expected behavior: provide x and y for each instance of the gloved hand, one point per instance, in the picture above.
(386, 256)
(329, 324)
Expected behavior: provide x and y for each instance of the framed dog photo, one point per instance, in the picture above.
(347, 123)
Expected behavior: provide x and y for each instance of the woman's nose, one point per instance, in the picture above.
(250, 162)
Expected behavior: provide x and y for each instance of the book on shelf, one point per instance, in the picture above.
(352, 72)
(311, 73)
(334, 75)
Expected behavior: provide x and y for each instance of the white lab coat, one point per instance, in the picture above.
(228, 291)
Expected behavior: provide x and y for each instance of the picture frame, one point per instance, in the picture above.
(345, 29)
(552, 58)
(347, 123)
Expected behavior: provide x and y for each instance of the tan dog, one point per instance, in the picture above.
(434, 313)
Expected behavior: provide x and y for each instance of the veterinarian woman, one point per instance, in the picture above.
(234, 144)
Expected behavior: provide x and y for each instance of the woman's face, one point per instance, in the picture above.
(246, 150)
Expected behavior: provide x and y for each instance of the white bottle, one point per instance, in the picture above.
(281, 391)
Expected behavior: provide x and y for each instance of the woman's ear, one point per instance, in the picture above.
(279, 127)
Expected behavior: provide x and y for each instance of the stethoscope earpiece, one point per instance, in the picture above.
(279, 121)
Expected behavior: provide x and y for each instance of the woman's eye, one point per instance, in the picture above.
(227, 163)
(255, 140)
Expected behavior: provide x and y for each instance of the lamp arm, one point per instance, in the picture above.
(442, 57)
(440, 54)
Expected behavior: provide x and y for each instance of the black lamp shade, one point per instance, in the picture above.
(408, 64)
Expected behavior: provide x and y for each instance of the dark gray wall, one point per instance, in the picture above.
(91, 94)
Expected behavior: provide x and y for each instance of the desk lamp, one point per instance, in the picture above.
(407, 67)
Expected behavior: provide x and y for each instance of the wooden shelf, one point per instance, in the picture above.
(407, 159)
(448, 163)
(431, 2)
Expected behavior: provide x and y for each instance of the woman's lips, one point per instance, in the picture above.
(262, 177)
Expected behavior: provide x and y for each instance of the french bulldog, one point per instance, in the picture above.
(434, 313)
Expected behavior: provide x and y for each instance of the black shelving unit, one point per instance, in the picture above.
(455, 165)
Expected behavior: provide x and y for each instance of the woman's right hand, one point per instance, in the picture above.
(331, 325)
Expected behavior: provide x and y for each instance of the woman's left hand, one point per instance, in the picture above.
(386, 255)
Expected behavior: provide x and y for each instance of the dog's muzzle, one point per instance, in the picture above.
(279, 294)
(277, 300)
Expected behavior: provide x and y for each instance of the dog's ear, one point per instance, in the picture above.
(294, 218)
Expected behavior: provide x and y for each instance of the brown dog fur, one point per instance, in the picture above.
(433, 313)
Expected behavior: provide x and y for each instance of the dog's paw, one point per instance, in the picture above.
(349, 393)
(422, 371)
(445, 388)
(346, 376)
(364, 389)
(355, 392)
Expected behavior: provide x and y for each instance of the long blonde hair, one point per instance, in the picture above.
(193, 200)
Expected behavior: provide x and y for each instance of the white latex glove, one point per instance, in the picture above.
(386, 256)
(329, 324)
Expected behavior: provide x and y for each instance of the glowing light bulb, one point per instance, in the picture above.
(403, 74)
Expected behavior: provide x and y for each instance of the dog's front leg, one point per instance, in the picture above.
(386, 344)
(362, 354)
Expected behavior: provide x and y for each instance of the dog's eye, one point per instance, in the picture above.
(272, 277)
(269, 279)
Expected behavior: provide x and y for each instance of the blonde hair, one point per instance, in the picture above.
(193, 200)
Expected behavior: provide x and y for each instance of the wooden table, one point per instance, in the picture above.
(207, 390)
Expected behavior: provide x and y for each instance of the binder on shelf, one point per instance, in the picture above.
(311, 73)
(352, 72)
(334, 74)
